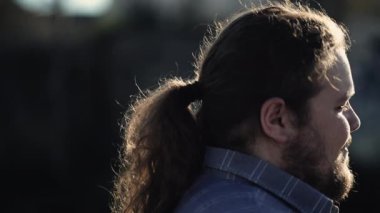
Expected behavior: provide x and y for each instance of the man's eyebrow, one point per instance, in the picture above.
(350, 93)
(346, 96)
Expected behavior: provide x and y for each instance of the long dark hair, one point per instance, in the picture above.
(279, 50)
(161, 154)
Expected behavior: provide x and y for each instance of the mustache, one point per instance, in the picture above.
(349, 142)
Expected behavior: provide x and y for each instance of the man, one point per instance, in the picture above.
(316, 153)
(274, 125)
(289, 158)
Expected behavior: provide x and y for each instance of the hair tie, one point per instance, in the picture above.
(191, 92)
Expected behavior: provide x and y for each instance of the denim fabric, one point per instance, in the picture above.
(234, 182)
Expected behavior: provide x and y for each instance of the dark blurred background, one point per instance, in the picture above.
(70, 67)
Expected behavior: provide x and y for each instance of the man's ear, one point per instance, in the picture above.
(277, 120)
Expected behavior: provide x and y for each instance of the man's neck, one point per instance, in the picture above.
(268, 150)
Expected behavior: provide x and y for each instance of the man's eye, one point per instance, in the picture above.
(343, 108)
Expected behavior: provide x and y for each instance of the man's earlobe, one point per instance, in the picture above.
(276, 120)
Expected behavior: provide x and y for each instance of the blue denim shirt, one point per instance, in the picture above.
(234, 182)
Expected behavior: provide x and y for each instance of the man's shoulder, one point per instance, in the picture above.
(214, 194)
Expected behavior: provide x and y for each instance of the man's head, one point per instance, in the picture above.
(267, 75)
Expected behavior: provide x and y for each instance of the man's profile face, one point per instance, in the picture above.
(319, 153)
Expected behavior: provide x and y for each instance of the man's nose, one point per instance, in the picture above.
(354, 120)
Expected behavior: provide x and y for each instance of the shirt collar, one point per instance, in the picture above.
(290, 189)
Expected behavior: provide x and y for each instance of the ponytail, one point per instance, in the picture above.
(162, 152)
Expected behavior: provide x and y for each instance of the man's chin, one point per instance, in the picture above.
(343, 179)
(337, 183)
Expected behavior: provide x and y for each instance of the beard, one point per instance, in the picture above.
(306, 159)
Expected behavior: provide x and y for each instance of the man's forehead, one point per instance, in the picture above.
(340, 77)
